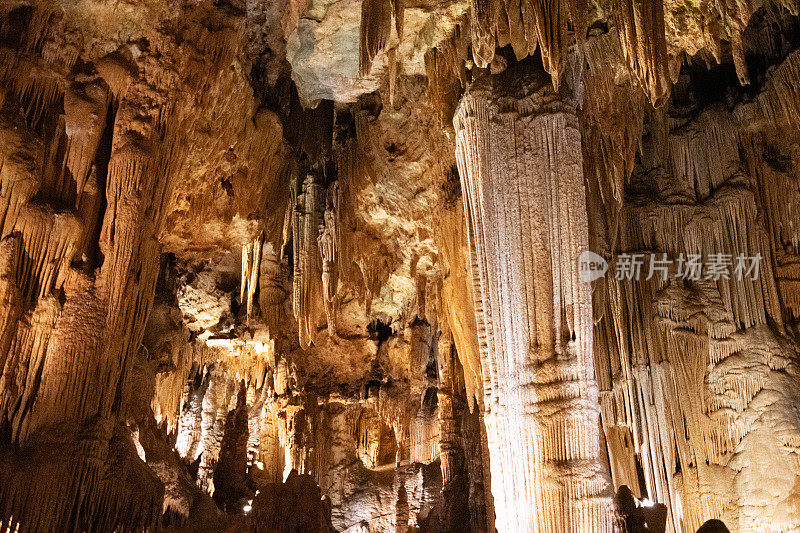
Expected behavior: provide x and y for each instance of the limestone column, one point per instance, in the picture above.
(449, 445)
(518, 149)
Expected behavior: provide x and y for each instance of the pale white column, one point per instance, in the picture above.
(519, 158)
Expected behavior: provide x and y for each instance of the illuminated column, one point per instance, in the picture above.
(519, 157)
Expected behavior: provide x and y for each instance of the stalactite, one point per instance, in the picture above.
(376, 28)
(251, 271)
(271, 287)
(376, 32)
(641, 32)
(373, 437)
(85, 108)
(445, 69)
(456, 294)
(330, 244)
(138, 188)
(424, 438)
(534, 315)
(393, 67)
(307, 293)
(61, 371)
(88, 212)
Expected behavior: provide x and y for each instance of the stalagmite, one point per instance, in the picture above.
(449, 449)
(230, 483)
(534, 314)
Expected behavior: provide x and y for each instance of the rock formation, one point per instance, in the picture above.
(375, 265)
(519, 151)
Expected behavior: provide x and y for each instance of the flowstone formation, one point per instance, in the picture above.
(320, 265)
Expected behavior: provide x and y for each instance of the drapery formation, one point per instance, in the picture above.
(695, 368)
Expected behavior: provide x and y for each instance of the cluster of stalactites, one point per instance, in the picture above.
(317, 246)
(52, 235)
(66, 352)
(558, 28)
(641, 32)
(526, 26)
(193, 361)
(445, 66)
(777, 107)
(208, 392)
(376, 29)
(251, 268)
(455, 308)
(614, 108)
(269, 429)
(263, 273)
(694, 373)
